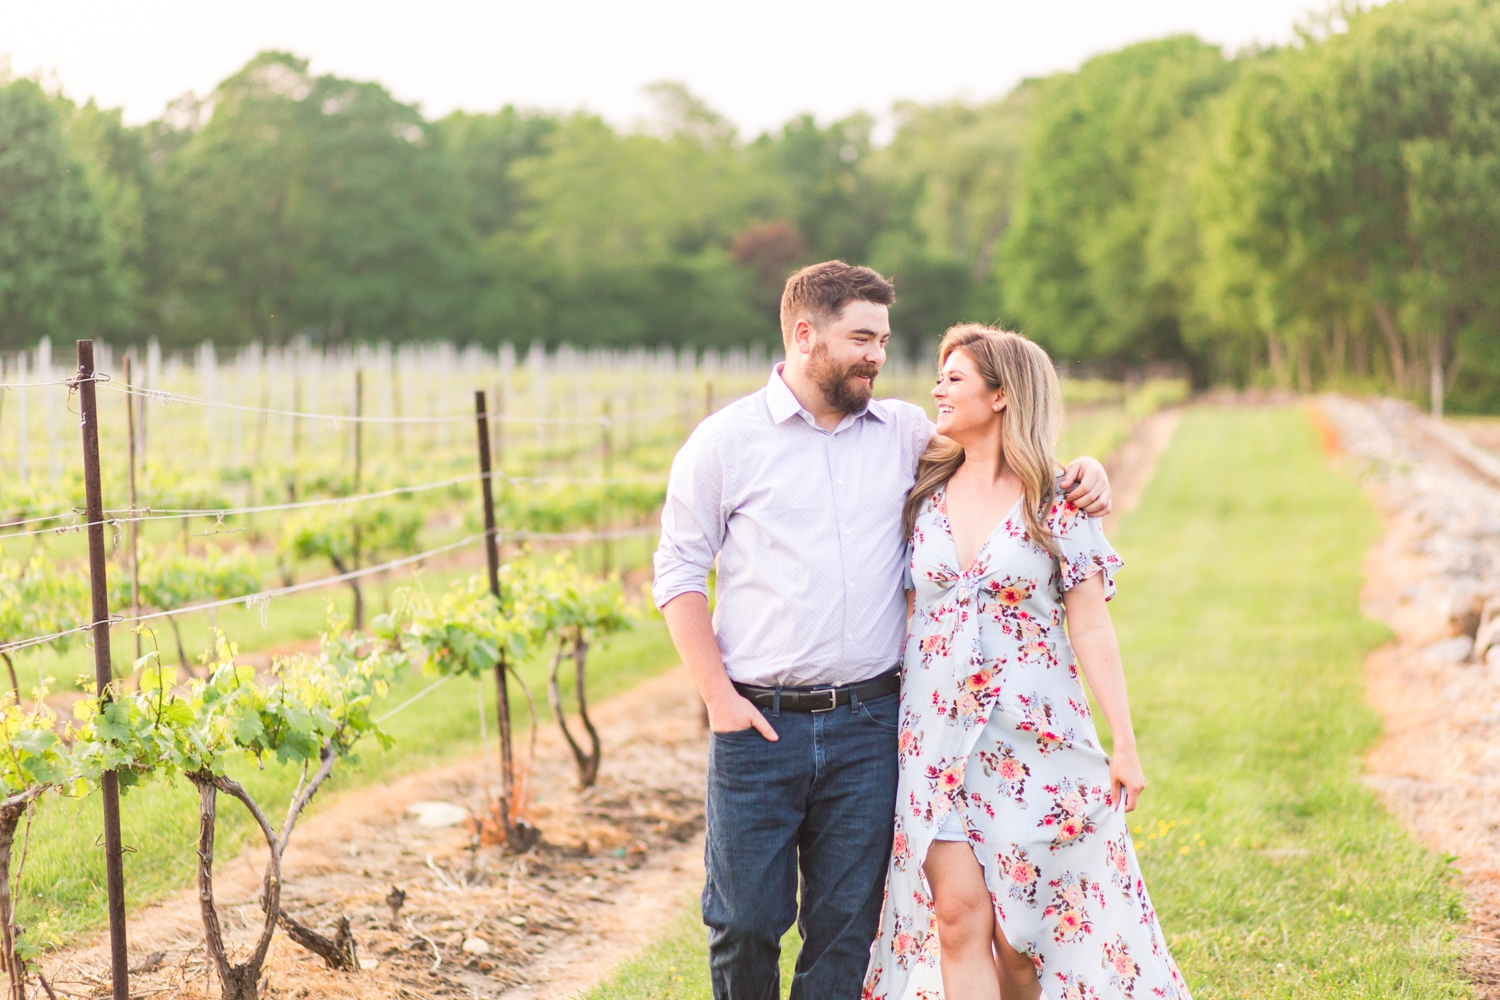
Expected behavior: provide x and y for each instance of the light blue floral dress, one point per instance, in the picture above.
(997, 741)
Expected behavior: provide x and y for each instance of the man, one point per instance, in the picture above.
(798, 490)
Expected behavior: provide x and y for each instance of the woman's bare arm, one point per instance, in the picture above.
(1098, 651)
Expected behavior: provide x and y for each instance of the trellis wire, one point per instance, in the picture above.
(162, 396)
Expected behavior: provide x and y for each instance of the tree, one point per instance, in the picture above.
(624, 239)
(951, 171)
(312, 202)
(836, 204)
(1353, 190)
(1075, 266)
(114, 160)
(55, 264)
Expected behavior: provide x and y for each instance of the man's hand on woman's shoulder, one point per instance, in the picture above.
(1087, 485)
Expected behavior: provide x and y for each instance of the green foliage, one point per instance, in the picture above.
(463, 632)
(951, 176)
(35, 752)
(156, 730)
(562, 600)
(309, 201)
(1373, 215)
(575, 506)
(55, 276)
(466, 629)
(163, 730)
(341, 534)
(174, 579)
(1322, 212)
(37, 599)
(1078, 268)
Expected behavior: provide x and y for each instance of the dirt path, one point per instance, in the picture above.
(615, 865)
(1134, 462)
(1434, 578)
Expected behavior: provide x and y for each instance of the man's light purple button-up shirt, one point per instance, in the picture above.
(807, 527)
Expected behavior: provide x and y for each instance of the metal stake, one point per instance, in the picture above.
(135, 561)
(492, 558)
(109, 786)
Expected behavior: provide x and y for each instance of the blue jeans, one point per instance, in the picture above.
(820, 801)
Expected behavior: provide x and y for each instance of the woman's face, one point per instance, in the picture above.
(966, 406)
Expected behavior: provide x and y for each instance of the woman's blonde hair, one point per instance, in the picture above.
(1028, 424)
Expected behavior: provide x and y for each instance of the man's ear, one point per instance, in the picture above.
(803, 336)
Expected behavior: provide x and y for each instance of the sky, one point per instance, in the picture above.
(757, 63)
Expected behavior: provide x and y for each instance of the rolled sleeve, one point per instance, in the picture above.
(693, 519)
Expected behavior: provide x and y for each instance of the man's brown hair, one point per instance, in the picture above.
(821, 291)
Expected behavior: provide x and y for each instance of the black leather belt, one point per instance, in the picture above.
(821, 699)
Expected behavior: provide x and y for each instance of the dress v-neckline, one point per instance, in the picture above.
(953, 542)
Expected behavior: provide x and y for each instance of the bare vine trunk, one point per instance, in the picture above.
(181, 652)
(359, 595)
(11, 812)
(337, 952)
(520, 835)
(587, 761)
(14, 682)
(242, 981)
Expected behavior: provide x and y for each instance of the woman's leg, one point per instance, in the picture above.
(1017, 973)
(966, 922)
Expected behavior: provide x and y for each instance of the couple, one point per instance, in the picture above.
(1008, 863)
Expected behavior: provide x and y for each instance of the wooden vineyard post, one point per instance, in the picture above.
(135, 562)
(498, 431)
(396, 406)
(607, 444)
(291, 476)
(492, 560)
(114, 860)
(359, 411)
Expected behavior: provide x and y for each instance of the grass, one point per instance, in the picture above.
(1275, 871)
(62, 891)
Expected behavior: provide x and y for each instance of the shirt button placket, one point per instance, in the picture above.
(841, 514)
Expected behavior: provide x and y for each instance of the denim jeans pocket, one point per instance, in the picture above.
(885, 713)
(735, 734)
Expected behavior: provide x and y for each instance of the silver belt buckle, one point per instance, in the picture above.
(833, 700)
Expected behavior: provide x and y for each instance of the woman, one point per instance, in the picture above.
(1012, 861)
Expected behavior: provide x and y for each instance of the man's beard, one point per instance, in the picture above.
(839, 386)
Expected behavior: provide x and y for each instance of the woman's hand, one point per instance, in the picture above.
(1125, 771)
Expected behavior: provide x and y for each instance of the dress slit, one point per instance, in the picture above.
(984, 873)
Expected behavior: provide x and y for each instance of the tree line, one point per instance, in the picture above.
(1320, 213)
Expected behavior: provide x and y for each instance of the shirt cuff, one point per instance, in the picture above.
(666, 588)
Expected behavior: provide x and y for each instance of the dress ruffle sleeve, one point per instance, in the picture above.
(1085, 550)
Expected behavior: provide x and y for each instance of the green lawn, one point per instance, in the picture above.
(1276, 873)
(62, 891)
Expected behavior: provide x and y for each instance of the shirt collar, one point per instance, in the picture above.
(783, 404)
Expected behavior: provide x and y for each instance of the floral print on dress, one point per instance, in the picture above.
(995, 727)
